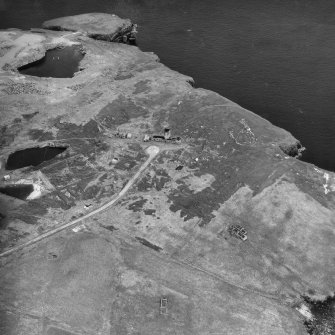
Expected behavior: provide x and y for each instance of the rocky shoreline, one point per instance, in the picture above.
(98, 26)
(170, 233)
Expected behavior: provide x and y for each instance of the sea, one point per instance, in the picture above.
(273, 57)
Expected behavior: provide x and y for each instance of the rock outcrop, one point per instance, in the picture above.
(168, 236)
(100, 26)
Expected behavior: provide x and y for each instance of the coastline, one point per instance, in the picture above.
(233, 169)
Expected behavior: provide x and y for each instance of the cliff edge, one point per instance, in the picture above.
(220, 231)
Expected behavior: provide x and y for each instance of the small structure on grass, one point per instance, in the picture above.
(123, 135)
(167, 133)
(163, 306)
(238, 232)
(166, 138)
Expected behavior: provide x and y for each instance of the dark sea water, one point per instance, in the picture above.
(274, 57)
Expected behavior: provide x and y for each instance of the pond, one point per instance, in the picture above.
(32, 157)
(57, 63)
(275, 58)
(20, 191)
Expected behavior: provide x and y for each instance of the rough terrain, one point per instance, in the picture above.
(167, 235)
(96, 25)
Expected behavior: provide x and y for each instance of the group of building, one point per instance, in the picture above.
(166, 138)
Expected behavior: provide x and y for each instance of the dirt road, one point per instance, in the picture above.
(152, 151)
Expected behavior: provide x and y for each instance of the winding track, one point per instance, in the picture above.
(152, 151)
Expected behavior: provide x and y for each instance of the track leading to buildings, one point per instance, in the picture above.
(152, 151)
